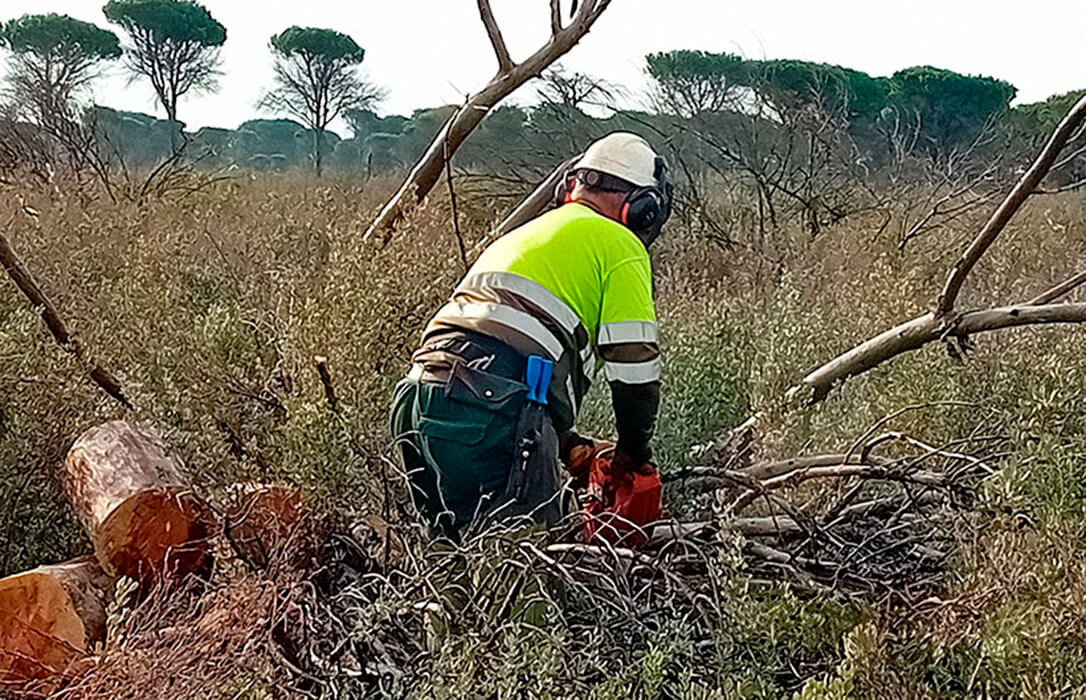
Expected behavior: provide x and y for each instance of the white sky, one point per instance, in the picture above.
(432, 52)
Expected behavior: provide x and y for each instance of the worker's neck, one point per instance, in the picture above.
(602, 205)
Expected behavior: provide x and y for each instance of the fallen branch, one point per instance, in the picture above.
(510, 76)
(30, 288)
(943, 322)
(1060, 290)
(920, 331)
(540, 198)
(1010, 206)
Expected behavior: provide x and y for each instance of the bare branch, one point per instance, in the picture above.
(923, 330)
(1072, 156)
(779, 557)
(26, 283)
(1010, 206)
(326, 381)
(505, 61)
(839, 471)
(429, 168)
(540, 198)
(452, 205)
(1071, 187)
(769, 470)
(556, 17)
(1012, 316)
(1060, 290)
(883, 506)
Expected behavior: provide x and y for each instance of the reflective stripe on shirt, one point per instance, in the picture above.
(627, 332)
(539, 296)
(588, 363)
(530, 290)
(507, 316)
(632, 372)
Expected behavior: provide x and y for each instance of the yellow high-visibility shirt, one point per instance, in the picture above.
(596, 266)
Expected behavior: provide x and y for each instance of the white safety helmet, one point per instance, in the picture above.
(623, 155)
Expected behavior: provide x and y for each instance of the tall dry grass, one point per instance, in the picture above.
(212, 308)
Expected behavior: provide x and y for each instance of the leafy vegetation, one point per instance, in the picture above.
(953, 109)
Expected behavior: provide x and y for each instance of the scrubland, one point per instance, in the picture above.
(212, 308)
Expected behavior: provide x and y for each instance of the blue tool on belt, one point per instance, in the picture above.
(538, 377)
(539, 374)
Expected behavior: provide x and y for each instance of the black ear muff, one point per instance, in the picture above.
(642, 209)
(647, 209)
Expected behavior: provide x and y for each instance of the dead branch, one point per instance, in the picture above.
(955, 203)
(540, 198)
(923, 330)
(1073, 155)
(924, 478)
(883, 506)
(1062, 289)
(1010, 206)
(26, 283)
(768, 470)
(510, 77)
(942, 324)
(30, 288)
(842, 471)
(494, 32)
(1063, 188)
(556, 17)
(326, 381)
(452, 202)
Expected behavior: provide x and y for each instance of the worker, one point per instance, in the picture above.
(489, 405)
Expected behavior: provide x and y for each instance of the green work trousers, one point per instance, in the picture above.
(475, 450)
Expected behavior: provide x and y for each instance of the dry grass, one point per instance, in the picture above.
(211, 310)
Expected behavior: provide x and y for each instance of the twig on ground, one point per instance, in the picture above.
(30, 288)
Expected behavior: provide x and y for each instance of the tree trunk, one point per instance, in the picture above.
(318, 151)
(265, 522)
(175, 137)
(49, 618)
(137, 505)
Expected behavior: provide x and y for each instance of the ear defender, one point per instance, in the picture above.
(648, 208)
(645, 209)
(642, 209)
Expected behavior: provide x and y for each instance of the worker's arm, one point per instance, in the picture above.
(628, 345)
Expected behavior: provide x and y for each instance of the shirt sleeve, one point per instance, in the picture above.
(628, 345)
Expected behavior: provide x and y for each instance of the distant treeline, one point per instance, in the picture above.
(926, 110)
(781, 122)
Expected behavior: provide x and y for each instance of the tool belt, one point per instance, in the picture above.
(433, 361)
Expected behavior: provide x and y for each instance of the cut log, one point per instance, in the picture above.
(137, 505)
(49, 618)
(265, 520)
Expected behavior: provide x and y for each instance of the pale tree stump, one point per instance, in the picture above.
(137, 505)
(49, 618)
